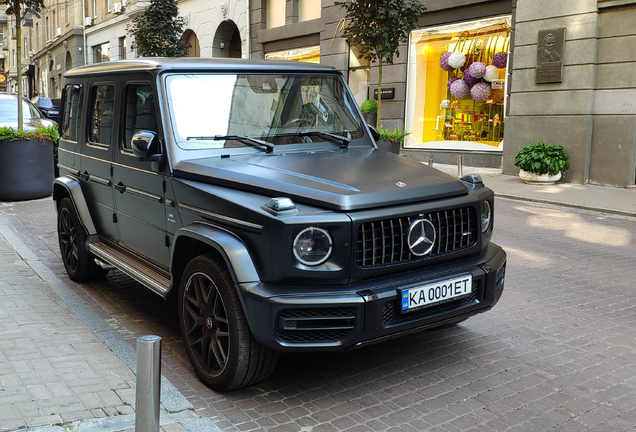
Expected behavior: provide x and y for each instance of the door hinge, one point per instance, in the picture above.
(114, 217)
(167, 241)
(163, 185)
(112, 171)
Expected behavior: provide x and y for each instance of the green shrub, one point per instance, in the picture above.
(542, 158)
(394, 136)
(369, 106)
(50, 132)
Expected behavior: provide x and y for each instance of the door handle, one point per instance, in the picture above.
(120, 187)
(85, 175)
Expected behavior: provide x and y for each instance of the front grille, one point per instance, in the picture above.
(315, 325)
(392, 315)
(384, 242)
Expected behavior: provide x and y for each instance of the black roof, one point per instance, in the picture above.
(158, 64)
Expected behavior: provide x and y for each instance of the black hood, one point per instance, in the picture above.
(339, 179)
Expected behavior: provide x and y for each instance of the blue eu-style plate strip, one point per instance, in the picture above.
(405, 300)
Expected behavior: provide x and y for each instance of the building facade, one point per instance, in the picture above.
(590, 109)
(558, 72)
(71, 33)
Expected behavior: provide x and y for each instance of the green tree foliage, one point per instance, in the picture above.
(377, 28)
(19, 9)
(158, 31)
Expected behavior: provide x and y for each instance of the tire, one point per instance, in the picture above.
(79, 262)
(217, 338)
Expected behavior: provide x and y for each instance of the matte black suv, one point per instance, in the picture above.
(269, 213)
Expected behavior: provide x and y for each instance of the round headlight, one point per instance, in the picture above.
(312, 246)
(486, 216)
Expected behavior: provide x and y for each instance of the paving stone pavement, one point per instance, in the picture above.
(61, 364)
(557, 353)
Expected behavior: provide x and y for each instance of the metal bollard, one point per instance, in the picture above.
(430, 162)
(460, 167)
(148, 392)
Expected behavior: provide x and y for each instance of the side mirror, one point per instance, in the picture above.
(374, 133)
(145, 145)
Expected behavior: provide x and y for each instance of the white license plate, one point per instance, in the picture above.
(437, 292)
(54, 112)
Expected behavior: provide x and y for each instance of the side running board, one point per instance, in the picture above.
(140, 272)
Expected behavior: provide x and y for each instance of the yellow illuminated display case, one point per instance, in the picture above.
(437, 118)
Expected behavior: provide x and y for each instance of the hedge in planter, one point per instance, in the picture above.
(542, 158)
(27, 163)
(391, 140)
(369, 109)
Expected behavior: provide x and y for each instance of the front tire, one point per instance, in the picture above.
(217, 338)
(78, 262)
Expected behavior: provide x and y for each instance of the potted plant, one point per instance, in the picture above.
(391, 140)
(27, 165)
(369, 110)
(542, 163)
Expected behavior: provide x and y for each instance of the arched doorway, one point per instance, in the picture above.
(227, 41)
(192, 43)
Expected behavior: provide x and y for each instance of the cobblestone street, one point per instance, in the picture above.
(557, 352)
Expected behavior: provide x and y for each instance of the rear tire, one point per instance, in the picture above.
(217, 338)
(78, 262)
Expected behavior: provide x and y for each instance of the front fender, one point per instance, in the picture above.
(74, 191)
(232, 249)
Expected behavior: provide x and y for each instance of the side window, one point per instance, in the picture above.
(72, 114)
(140, 111)
(101, 125)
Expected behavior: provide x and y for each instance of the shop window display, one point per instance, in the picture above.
(308, 54)
(456, 86)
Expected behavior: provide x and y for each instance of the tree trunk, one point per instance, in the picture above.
(18, 34)
(377, 121)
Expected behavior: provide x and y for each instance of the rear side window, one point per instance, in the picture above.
(101, 123)
(72, 114)
(140, 111)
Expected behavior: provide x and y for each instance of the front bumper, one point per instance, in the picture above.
(288, 318)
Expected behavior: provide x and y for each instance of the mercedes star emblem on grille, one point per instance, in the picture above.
(421, 237)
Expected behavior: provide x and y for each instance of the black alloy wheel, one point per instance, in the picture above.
(209, 332)
(217, 338)
(78, 262)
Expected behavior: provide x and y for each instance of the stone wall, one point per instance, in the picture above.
(613, 149)
(591, 112)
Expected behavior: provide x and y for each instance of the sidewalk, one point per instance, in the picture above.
(62, 367)
(589, 197)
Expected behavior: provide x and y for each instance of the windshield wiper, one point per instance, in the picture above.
(344, 141)
(244, 139)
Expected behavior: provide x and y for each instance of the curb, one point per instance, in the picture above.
(564, 204)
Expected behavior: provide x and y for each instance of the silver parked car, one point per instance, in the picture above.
(31, 116)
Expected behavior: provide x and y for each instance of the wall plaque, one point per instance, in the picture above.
(387, 93)
(550, 56)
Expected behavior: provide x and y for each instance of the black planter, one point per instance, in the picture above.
(26, 169)
(388, 146)
(370, 118)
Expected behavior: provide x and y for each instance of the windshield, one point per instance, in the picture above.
(209, 111)
(9, 110)
(48, 103)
